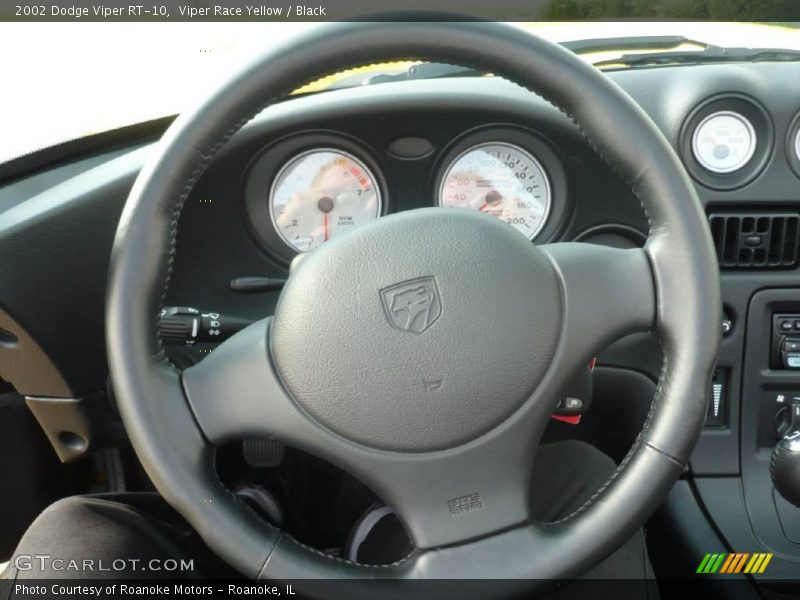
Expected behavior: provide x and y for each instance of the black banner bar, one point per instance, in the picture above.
(211, 589)
(408, 10)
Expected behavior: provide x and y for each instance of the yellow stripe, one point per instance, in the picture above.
(741, 562)
(727, 562)
(752, 566)
(767, 558)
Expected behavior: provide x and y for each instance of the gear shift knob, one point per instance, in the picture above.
(784, 467)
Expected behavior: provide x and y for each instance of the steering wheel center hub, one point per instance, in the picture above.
(419, 332)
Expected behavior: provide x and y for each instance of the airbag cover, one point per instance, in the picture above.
(419, 332)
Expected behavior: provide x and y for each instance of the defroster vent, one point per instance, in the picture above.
(756, 240)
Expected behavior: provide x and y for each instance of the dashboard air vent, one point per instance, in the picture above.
(756, 240)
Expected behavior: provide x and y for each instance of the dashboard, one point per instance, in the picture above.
(314, 168)
(315, 186)
(319, 166)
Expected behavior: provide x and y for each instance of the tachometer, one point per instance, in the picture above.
(502, 180)
(724, 142)
(322, 194)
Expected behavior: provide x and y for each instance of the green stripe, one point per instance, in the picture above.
(701, 568)
(711, 563)
(715, 567)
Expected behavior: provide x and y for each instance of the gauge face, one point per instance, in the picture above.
(320, 195)
(724, 142)
(502, 180)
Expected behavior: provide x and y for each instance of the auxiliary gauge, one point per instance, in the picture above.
(724, 142)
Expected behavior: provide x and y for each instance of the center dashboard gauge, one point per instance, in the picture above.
(724, 142)
(322, 194)
(500, 179)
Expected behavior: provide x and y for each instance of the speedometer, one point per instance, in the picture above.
(502, 180)
(320, 195)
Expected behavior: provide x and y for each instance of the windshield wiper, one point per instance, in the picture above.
(712, 54)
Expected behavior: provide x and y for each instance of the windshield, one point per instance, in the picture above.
(93, 77)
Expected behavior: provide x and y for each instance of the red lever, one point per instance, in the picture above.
(572, 420)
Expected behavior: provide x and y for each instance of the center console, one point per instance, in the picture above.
(750, 514)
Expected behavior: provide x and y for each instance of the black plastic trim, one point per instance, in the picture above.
(80, 148)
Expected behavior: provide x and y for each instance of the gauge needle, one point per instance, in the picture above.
(325, 204)
(493, 198)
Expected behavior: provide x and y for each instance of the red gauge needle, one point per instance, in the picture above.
(493, 198)
(325, 205)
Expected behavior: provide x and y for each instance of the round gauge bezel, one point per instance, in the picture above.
(270, 161)
(793, 144)
(763, 132)
(533, 145)
(516, 148)
(294, 159)
(797, 144)
(750, 151)
(625, 235)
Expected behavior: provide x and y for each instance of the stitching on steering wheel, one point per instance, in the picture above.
(203, 163)
(633, 449)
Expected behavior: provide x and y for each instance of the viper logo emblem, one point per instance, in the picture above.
(412, 305)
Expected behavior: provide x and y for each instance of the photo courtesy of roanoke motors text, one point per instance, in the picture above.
(400, 300)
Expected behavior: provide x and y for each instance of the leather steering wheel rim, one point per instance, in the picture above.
(671, 287)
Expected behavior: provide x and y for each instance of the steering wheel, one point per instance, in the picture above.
(441, 416)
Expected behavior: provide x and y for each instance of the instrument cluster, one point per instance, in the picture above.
(311, 188)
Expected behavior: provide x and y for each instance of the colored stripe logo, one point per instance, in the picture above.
(737, 562)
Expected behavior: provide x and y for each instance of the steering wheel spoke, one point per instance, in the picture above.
(441, 497)
(450, 497)
(235, 392)
(607, 293)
